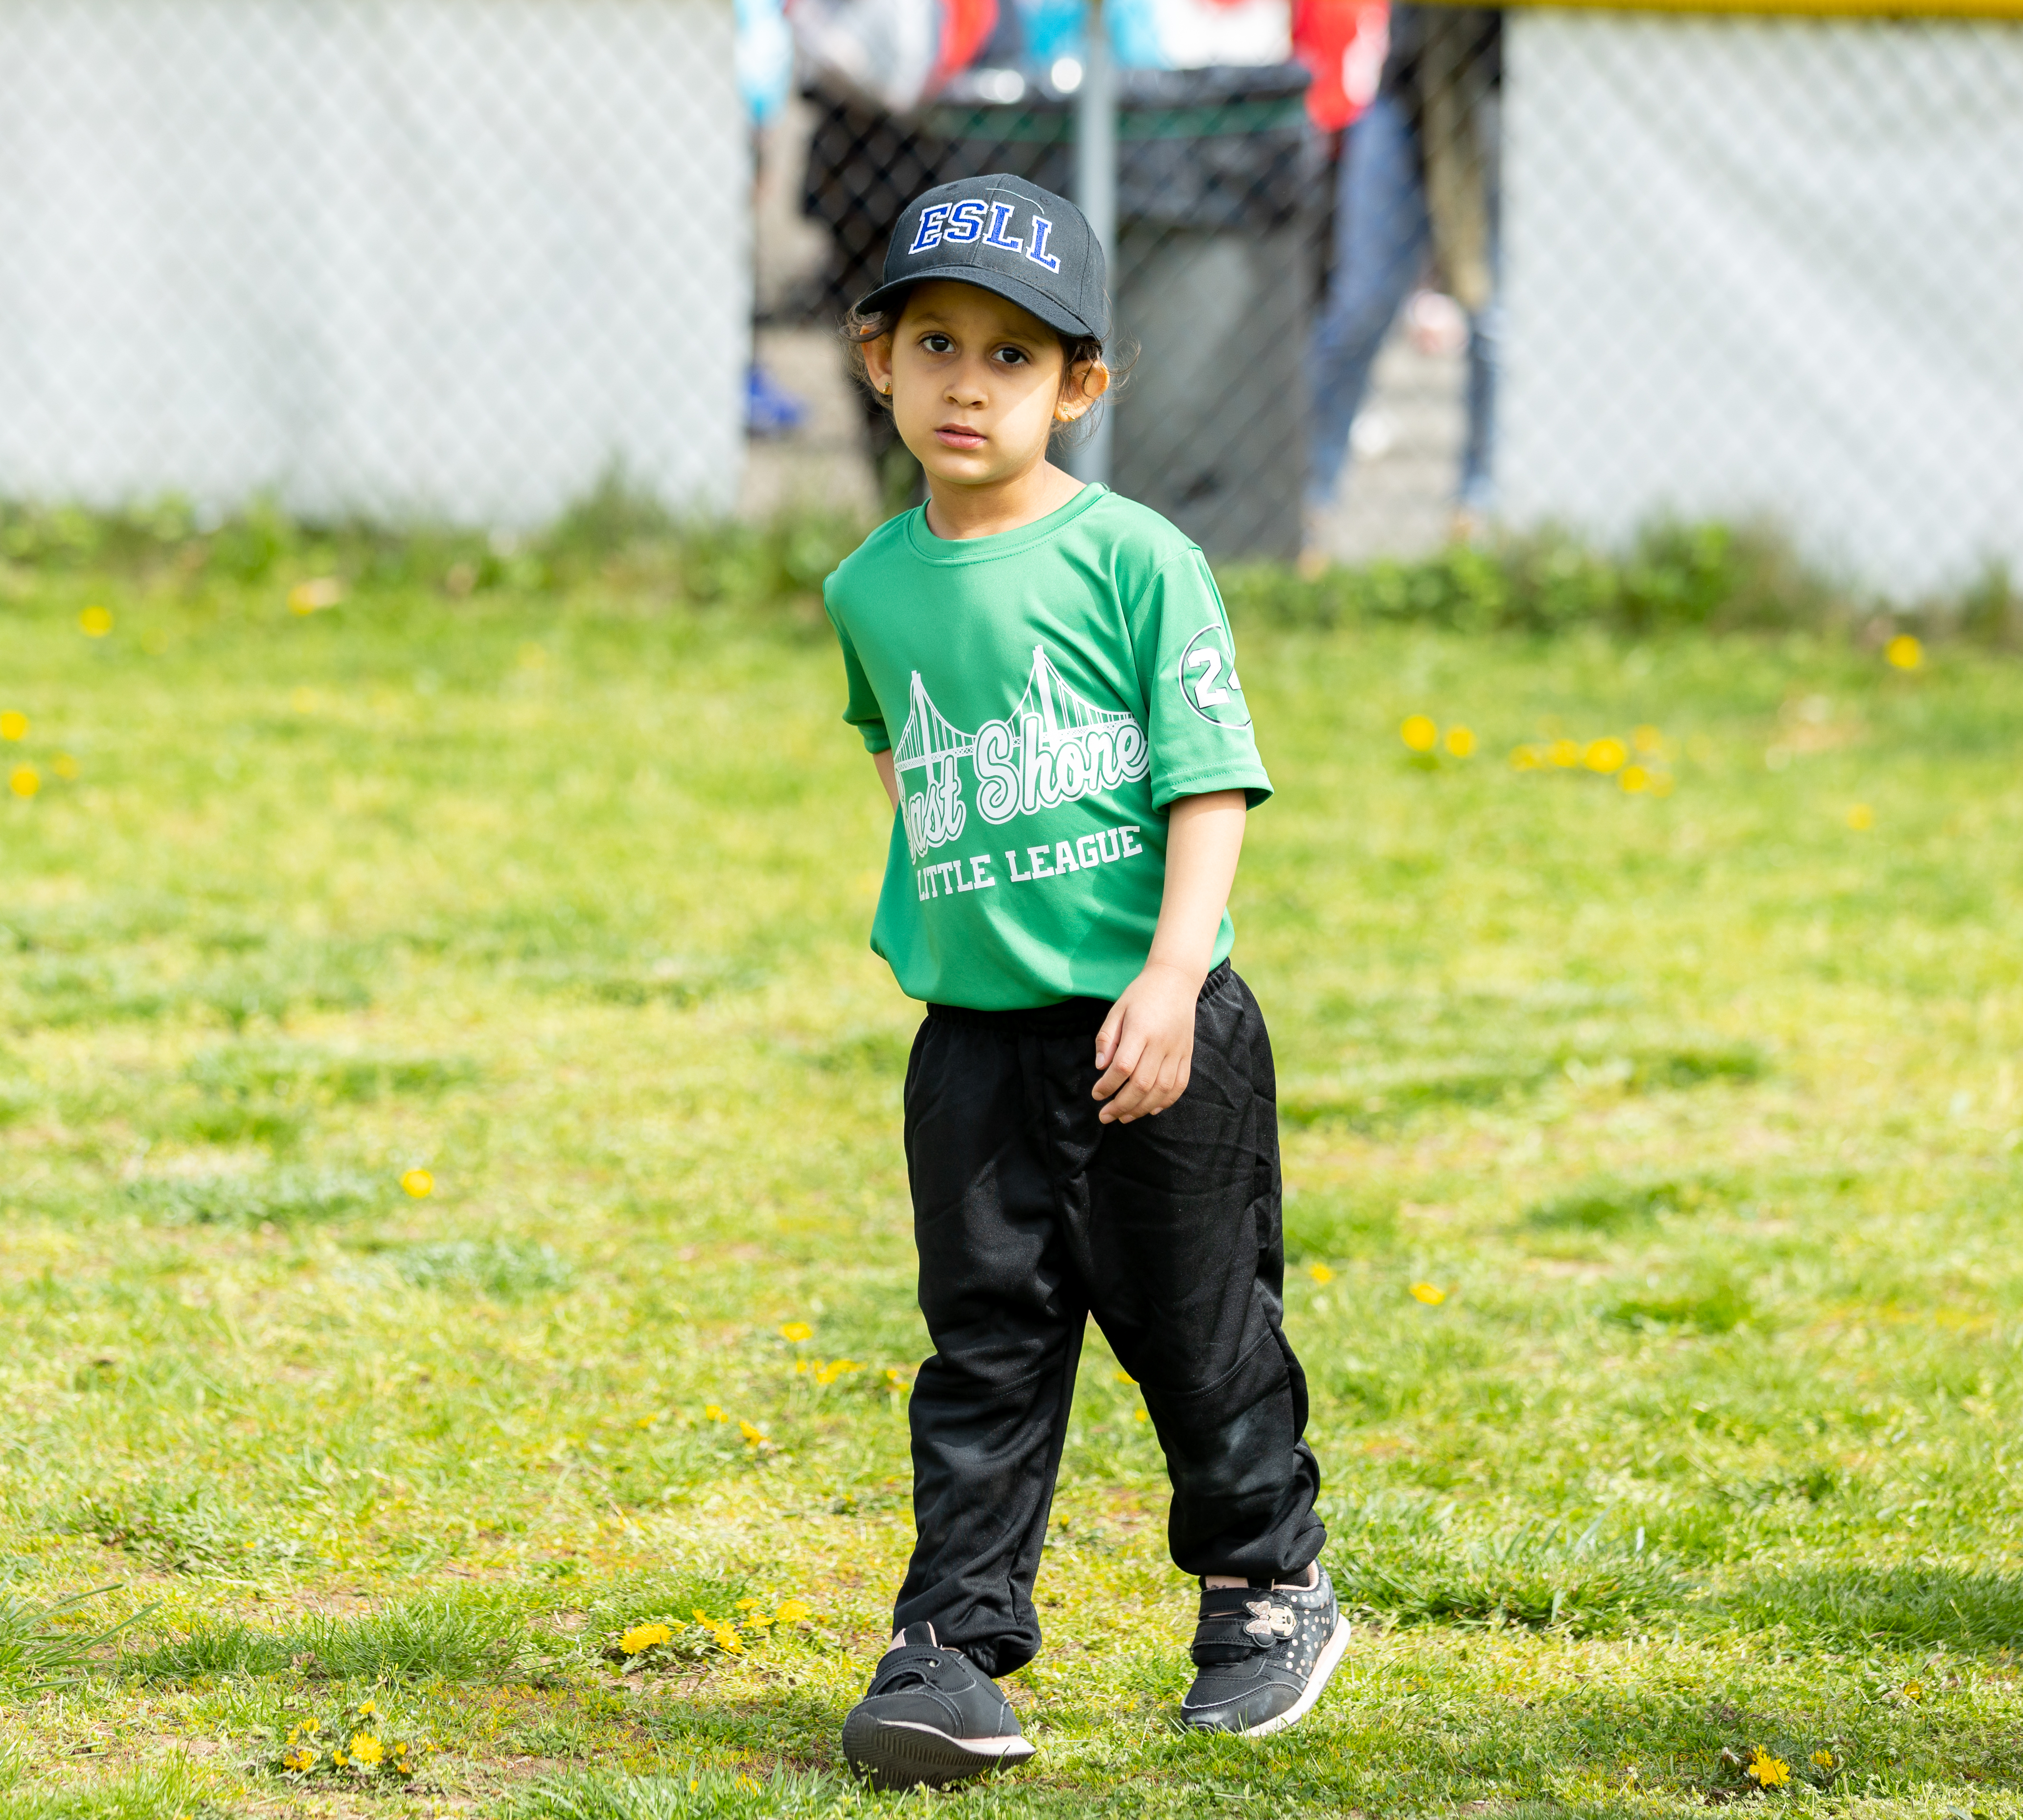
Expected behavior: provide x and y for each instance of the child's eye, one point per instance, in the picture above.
(936, 343)
(1013, 356)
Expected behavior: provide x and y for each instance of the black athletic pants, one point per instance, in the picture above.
(1030, 1215)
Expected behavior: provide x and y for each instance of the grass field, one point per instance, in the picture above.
(1653, 1163)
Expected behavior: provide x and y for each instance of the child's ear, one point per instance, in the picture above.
(1085, 383)
(878, 363)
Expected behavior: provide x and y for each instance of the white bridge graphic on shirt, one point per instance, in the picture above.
(932, 743)
(1054, 747)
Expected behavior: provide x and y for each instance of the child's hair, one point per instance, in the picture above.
(858, 329)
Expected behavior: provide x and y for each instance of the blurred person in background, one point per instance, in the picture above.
(1418, 174)
(1342, 44)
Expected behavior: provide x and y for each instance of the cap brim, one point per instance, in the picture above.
(1030, 297)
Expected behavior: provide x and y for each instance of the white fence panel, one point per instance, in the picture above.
(1760, 266)
(406, 257)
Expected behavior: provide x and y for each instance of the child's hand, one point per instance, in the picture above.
(1146, 1047)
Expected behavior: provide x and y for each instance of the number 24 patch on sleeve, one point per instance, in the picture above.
(1208, 679)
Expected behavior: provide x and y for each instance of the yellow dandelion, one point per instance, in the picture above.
(1605, 756)
(309, 597)
(748, 1782)
(645, 1421)
(1321, 1274)
(365, 1748)
(1647, 740)
(94, 622)
(368, 1709)
(713, 1414)
(1565, 753)
(748, 1605)
(1429, 1294)
(726, 1640)
(338, 1760)
(1460, 742)
(1904, 652)
(302, 1759)
(13, 724)
(642, 1638)
(1122, 1378)
(1419, 732)
(754, 1436)
(64, 766)
(1139, 1416)
(1823, 1760)
(1913, 1690)
(24, 780)
(1634, 779)
(310, 1728)
(792, 1612)
(1860, 817)
(1525, 758)
(797, 1330)
(758, 1621)
(1767, 1771)
(418, 1183)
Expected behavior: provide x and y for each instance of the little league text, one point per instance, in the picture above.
(1048, 860)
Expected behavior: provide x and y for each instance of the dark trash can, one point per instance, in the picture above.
(1217, 170)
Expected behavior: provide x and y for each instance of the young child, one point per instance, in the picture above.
(1042, 673)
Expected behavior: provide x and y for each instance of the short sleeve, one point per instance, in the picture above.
(862, 710)
(1199, 723)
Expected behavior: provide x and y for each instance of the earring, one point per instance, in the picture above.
(887, 388)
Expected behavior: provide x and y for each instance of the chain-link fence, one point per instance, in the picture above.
(1593, 269)
(459, 258)
(402, 258)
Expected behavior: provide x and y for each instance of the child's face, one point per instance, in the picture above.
(977, 384)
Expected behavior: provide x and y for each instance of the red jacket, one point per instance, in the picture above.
(1343, 42)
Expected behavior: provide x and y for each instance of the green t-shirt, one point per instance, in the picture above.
(1053, 690)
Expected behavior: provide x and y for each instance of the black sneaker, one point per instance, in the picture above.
(1264, 1654)
(928, 1716)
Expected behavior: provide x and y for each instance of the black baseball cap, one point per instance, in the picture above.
(1005, 235)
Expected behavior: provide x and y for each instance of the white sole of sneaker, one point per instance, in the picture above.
(1332, 1652)
(897, 1753)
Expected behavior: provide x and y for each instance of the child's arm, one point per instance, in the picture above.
(1146, 1047)
(887, 775)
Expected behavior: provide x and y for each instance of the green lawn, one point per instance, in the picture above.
(1653, 1165)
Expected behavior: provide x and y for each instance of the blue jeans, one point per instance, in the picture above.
(1381, 232)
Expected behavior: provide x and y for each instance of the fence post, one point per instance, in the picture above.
(1095, 192)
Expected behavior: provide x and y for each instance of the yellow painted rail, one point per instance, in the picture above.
(2008, 9)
